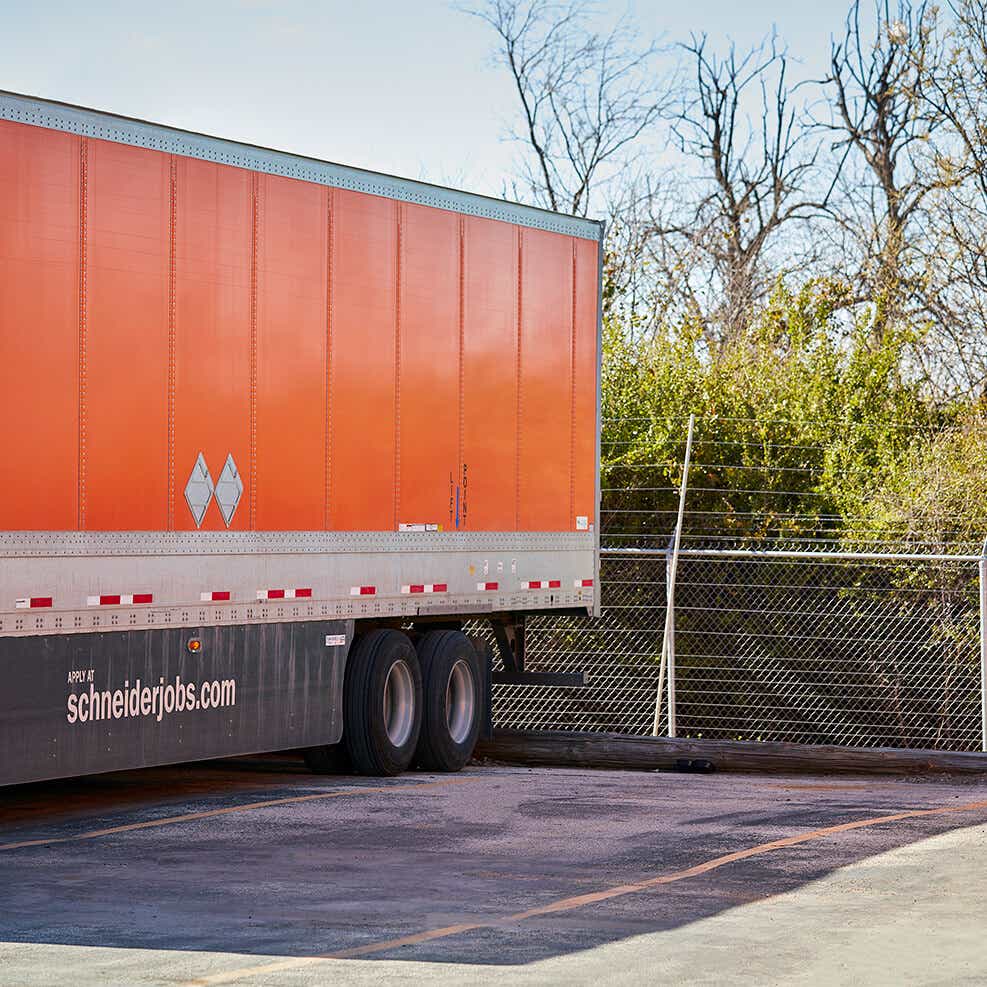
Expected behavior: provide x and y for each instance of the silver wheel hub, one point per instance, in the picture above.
(460, 701)
(399, 703)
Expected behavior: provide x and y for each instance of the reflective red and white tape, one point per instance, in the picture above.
(119, 599)
(283, 594)
(225, 596)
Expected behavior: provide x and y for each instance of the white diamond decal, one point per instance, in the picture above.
(229, 490)
(198, 490)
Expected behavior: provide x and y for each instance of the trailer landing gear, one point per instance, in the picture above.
(509, 634)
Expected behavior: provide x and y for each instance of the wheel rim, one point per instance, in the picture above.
(399, 703)
(460, 702)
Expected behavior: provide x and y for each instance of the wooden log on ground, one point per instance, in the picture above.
(619, 751)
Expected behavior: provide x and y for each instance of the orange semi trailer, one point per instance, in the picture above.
(274, 430)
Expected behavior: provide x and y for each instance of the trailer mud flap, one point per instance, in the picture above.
(82, 703)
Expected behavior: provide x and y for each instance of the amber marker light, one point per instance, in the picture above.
(194, 645)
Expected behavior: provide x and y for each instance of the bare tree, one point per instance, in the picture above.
(956, 96)
(881, 122)
(626, 282)
(586, 98)
(751, 181)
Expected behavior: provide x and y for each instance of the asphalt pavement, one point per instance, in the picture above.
(255, 872)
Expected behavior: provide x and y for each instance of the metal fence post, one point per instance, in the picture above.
(982, 567)
(670, 563)
(668, 638)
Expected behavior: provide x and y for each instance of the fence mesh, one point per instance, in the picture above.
(806, 647)
(822, 652)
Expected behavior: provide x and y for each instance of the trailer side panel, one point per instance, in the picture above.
(77, 703)
(39, 298)
(267, 402)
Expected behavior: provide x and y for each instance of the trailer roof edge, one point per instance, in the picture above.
(101, 125)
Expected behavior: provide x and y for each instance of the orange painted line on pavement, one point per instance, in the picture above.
(246, 807)
(577, 901)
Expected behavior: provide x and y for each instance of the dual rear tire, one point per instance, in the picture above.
(453, 706)
(405, 706)
(382, 703)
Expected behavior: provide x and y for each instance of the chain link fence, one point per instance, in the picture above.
(767, 642)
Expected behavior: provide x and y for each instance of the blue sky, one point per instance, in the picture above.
(400, 87)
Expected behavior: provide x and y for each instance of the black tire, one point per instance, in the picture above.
(449, 662)
(329, 759)
(370, 748)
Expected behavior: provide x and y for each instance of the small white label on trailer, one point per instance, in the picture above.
(582, 522)
(335, 640)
